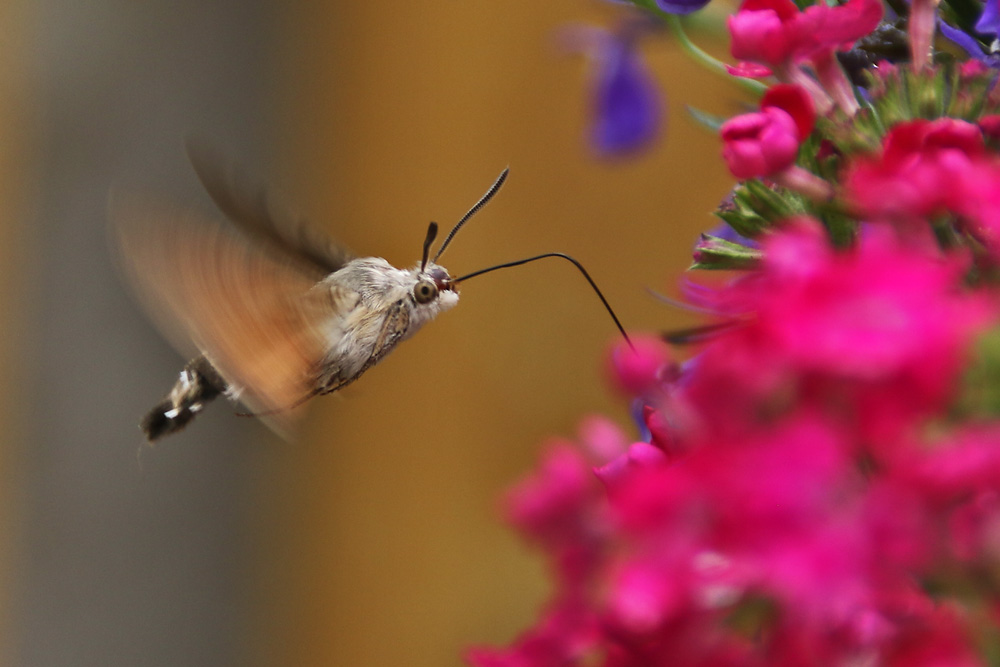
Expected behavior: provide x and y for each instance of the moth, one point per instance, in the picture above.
(276, 312)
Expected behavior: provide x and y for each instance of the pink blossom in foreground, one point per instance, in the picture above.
(919, 172)
(801, 500)
(559, 508)
(928, 169)
(990, 126)
(637, 368)
(825, 318)
(978, 203)
(812, 478)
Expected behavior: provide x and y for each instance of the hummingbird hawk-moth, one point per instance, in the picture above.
(275, 310)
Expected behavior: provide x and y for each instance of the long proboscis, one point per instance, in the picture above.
(483, 201)
(575, 263)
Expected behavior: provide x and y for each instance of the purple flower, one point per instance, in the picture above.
(726, 233)
(988, 24)
(626, 104)
(682, 6)
(989, 20)
(969, 43)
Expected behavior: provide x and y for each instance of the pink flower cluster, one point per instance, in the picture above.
(780, 39)
(777, 34)
(818, 481)
(801, 491)
(928, 169)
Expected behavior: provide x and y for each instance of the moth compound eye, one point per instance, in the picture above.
(425, 291)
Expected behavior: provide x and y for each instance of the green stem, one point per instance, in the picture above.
(704, 58)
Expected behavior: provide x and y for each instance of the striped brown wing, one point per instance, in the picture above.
(255, 211)
(243, 305)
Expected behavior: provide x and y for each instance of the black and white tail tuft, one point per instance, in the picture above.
(198, 384)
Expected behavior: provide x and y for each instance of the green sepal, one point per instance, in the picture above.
(770, 203)
(744, 223)
(712, 252)
(754, 207)
(897, 94)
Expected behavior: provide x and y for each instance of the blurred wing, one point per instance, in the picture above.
(255, 212)
(246, 307)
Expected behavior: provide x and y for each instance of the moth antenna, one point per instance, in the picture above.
(432, 232)
(575, 263)
(483, 201)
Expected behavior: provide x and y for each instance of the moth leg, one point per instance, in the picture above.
(197, 385)
(394, 328)
(397, 321)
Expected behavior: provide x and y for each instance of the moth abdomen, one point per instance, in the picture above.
(198, 384)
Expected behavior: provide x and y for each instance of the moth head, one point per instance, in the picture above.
(433, 287)
(431, 282)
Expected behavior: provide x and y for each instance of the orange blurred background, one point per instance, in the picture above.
(375, 538)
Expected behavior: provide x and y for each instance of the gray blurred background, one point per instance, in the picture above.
(125, 561)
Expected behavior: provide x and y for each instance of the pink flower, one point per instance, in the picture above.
(990, 126)
(761, 143)
(560, 508)
(934, 637)
(962, 465)
(564, 635)
(749, 70)
(770, 517)
(927, 169)
(765, 31)
(974, 529)
(661, 434)
(977, 200)
(638, 368)
(919, 172)
(775, 32)
(835, 329)
(639, 455)
(767, 142)
(607, 444)
(601, 438)
(853, 315)
(644, 597)
(551, 503)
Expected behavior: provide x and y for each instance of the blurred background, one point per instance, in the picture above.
(375, 537)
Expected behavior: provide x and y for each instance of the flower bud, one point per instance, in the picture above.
(637, 370)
